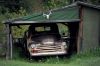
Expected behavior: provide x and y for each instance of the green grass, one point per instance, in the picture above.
(89, 58)
(91, 61)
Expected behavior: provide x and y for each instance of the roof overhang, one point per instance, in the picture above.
(88, 5)
(46, 21)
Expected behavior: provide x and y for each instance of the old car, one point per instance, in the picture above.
(44, 39)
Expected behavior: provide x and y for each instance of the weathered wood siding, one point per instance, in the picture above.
(91, 28)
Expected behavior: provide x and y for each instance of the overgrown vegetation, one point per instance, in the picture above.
(44, 5)
(38, 5)
(8, 16)
(51, 4)
(2, 37)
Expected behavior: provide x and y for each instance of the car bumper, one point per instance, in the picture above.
(48, 53)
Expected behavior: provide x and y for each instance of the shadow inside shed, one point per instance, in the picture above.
(73, 29)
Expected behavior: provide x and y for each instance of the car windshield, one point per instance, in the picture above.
(42, 29)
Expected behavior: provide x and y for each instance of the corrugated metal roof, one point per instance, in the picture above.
(69, 14)
(62, 14)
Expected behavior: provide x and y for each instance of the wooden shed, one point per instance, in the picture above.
(83, 21)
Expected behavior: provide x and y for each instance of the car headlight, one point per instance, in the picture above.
(33, 46)
(64, 44)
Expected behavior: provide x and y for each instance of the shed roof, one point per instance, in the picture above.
(63, 14)
(68, 13)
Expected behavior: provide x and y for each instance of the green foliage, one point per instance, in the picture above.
(45, 5)
(96, 2)
(87, 54)
(2, 18)
(19, 32)
(2, 36)
(15, 30)
(14, 15)
(3, 10)
(51, 4)
(63, 29)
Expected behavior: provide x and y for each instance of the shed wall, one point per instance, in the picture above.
(91, 28)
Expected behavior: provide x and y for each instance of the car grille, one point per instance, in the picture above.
(49, 48)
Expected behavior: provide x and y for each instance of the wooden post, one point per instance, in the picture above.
(9, 42)
(8, 48)
(80, 33)
(11, 47)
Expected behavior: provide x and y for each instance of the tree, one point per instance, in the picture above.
(42, 5)
(51, 4)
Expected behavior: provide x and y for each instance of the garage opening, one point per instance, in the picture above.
(67, 31)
